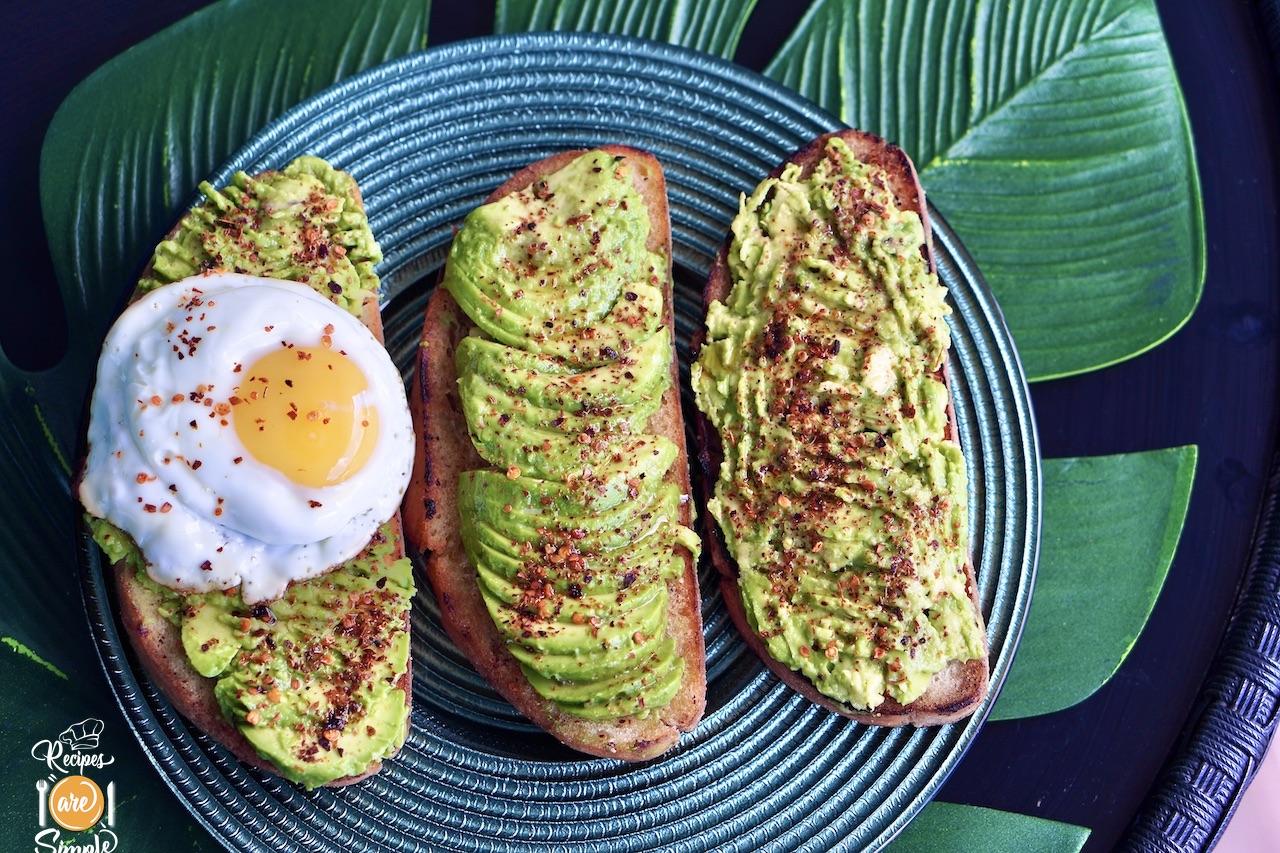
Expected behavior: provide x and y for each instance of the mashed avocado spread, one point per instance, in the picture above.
(574, 530)
(840, 498)
(312, 679)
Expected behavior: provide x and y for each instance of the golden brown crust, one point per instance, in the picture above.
(158, 643)
(958, 689)
(431, 515)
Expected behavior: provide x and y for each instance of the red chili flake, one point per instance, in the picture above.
(267, 328)
(166, 506)
(238, 460)
(206, 566)
(195, 464)
(314, 504)
(149, 507)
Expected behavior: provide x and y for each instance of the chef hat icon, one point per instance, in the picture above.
(82, 736)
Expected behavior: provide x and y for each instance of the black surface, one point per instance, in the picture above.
(1214, 384)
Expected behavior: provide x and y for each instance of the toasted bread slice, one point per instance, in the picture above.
(960, 687)
(158, 642)
(432, 522)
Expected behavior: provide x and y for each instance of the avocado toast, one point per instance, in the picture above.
(828, 443)
(551, 484)
(314, 685)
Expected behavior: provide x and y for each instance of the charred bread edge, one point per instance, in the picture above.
(431, 514)
(962, 684)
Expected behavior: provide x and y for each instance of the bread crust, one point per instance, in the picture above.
(957, 690)
(432, 523)
(158, 643)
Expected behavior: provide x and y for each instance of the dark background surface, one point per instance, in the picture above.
(1213, 384)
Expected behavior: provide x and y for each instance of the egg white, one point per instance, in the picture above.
(266, 530)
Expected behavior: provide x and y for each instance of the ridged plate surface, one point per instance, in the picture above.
(428, 137)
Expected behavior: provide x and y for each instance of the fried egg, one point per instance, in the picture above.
(245, 431)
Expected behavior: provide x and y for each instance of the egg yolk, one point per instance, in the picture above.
(302, 411)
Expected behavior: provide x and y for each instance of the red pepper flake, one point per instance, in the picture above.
(166, 506)
(314, 504)
(149, 507)
(238, 460)
(267, 328)
(206, 566)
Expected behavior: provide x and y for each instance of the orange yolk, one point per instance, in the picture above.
(302, 412)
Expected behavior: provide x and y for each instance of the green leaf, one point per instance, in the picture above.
(1052, 135)
(121, 157)
(1111, 525)
(712, 26)
(951, 828)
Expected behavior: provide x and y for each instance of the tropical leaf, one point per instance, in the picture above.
(1111, 525)
(713, 26)
(1052, 135)
(948, 828)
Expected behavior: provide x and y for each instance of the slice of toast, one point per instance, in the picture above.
(432, 522)
(961, 686)
(158, 642)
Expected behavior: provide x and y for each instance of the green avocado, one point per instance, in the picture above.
(574, 532)
(313, 680)
(841, 499)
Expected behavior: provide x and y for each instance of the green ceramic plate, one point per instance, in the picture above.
(428, 137)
